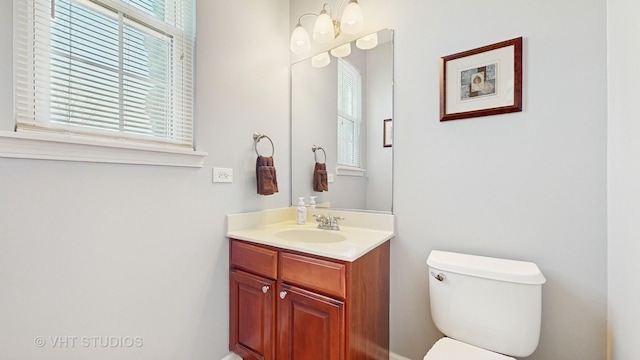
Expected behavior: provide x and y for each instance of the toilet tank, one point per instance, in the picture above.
(492, 303)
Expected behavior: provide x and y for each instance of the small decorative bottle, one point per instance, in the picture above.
(312, 201)
(301, 212)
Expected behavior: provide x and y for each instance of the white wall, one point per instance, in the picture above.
(125, 250)
(379, 107)
(624, 179)
(529, 185)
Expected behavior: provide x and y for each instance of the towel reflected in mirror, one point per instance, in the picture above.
(320, 182)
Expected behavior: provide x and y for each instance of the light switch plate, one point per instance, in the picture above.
(329, 178)
(222, 175)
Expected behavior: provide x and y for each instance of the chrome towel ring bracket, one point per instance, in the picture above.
(315, 149)
(257, 137)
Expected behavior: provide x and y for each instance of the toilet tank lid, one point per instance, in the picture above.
(522, 272)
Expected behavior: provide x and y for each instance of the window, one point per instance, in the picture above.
(349, 115)
(120, 70)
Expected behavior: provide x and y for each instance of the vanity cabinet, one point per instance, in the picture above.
(290, 305)
(253, 309)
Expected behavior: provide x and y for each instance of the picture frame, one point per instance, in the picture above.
(482, 82)
(387, 136)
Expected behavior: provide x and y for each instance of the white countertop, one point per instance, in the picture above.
(358, 239)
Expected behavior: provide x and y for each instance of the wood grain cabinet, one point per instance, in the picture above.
(288, 305)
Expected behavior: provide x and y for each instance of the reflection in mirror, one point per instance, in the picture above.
(342, 107)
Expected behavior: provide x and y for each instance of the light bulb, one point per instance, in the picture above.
(323, 28)
(321, 60)
(300, 42)
(367, 42)
(352, 19)
(342, 51)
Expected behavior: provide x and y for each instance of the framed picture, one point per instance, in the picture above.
(483, 81)
(387, 136)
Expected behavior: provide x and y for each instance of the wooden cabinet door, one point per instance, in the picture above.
(311, 326)
(252, 316)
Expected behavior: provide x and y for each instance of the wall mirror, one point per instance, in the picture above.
(345, 108)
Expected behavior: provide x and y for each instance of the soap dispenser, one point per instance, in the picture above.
(312, 201)
(301, 213)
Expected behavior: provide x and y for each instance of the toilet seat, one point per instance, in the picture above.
(450, 349)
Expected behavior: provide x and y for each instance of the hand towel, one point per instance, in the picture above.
(266, 176)
(320, 182)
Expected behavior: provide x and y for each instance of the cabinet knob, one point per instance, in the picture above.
(283, 294)
(265, 289)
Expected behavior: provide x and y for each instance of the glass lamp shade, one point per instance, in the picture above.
(321, 60)
(342, 51)
(352, 20)
(323, 28)
(300, 42)
(367, 42)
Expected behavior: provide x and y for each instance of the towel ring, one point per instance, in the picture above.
(315, 153)
(257, 137)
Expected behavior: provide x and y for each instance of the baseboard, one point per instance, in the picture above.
(393, 356)
(232, 356)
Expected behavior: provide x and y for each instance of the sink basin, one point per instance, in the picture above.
(310, 235)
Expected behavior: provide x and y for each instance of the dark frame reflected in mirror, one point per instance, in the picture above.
(387, 137)
(339, 107)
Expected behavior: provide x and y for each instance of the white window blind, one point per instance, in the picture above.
(349, 114)
(109, 68)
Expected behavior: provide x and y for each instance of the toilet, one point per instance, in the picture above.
(487, 308)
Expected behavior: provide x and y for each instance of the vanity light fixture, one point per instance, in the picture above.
(342, 50)
(364, 43)
(367, 42)
(352, 18)
(321, 60)
(300, 42)
(325, 28)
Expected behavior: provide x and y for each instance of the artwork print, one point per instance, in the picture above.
(478, 82)
(481, 82)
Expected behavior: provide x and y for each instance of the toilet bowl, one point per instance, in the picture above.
(487, 308)
(450, 349)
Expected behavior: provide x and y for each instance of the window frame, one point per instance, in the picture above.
(65, 145)
(352, 169)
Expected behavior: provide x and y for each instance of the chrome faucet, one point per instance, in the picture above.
(328, 222)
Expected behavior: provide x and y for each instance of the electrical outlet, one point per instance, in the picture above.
(222, 175)
(329, 178)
